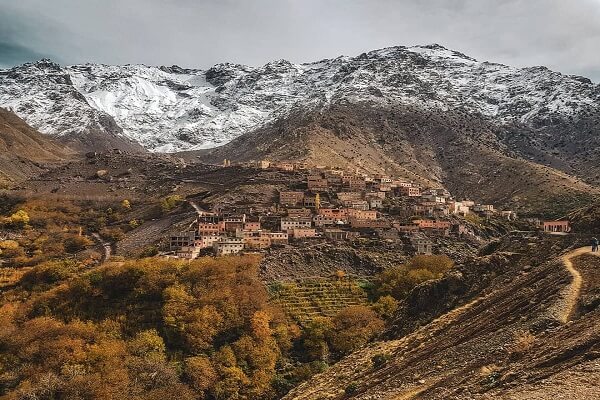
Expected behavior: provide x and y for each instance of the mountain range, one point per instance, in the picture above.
(425, 112)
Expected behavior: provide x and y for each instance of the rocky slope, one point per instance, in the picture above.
(490, 329)
(455, 149)
(175, 109)
(24, 152)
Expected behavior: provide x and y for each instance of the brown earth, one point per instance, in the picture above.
(24, 152)
(465, 153)
(506, 341)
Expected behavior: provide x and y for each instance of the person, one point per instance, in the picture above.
(594, 244)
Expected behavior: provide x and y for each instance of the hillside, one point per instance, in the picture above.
(168, 109)
(25, 152)
(454, 149)
(495, 330)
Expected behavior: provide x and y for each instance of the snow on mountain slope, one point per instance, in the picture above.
(170, 109)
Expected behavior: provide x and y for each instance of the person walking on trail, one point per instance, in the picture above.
(594, 244)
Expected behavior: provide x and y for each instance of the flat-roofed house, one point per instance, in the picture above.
(317, 184)
(291, 198)
(337, 214)
(279, 237)
(288, 224)
(226, 246)
(422, 245)
(299, 212)
(362, 214)
(209, 228)
(301, 233)
(556, 226)
(409, 191)
(183, 239)
(321, 220)
(368, 223)
(256, 240)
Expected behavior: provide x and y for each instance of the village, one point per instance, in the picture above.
(339, 205)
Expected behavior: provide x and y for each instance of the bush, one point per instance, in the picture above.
(76, 244)
(50, 272)
(385, 306)
(20, 219)
(399, 281)
(436, 264)
(378, 360)
(352, 388)
(149, 251)
(112, 234)
(524, 341)
(170, 202)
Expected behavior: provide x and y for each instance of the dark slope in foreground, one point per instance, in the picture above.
(507, 341)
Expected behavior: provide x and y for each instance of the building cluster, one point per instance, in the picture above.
(333, 204)
(224, 234)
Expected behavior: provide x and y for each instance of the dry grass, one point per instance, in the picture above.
(523, 342)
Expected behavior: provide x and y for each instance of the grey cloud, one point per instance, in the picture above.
(562, 35)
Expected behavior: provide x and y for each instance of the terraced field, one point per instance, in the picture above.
(310, 298)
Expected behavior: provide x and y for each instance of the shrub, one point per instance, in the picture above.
(314, 338)
(50, 272)
(170, 202)
(76, 244)
(149, 251)
(378, 360)
(436, 264)
(112, 234)
(351, 388)
(385, 306)
(523, 342)
(399, 281)
(20, 219)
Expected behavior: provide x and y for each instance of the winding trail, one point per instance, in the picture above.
(107, 248)
(572, 294)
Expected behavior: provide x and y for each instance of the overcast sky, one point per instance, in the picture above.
(561, 34)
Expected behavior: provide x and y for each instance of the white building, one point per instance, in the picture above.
(226, 246)
(288, 224)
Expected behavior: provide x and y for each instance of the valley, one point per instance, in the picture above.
(407, 223)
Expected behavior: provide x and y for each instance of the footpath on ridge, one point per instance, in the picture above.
(572, 294)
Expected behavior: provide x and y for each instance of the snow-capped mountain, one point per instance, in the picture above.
(168, 109)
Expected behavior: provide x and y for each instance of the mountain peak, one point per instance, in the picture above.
(174, 109)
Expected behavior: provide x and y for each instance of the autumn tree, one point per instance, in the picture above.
(353, 327)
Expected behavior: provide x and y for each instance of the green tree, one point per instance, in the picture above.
(314, 338)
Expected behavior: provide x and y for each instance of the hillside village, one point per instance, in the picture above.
(338, 205)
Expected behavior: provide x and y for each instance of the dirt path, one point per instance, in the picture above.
(199, 210)
(106, 246)
(572, 294)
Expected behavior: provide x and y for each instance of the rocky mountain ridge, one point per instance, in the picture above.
(168, 109)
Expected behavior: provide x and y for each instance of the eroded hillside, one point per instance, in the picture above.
(495, 329)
